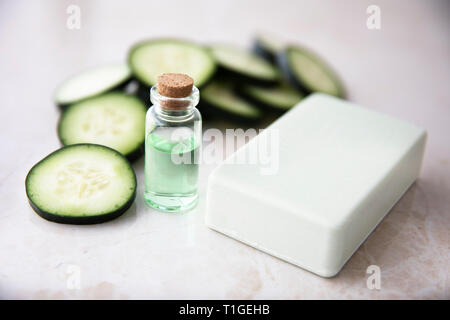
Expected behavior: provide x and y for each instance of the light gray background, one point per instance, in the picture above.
(402, 69)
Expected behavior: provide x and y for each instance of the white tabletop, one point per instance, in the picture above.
(403, 69)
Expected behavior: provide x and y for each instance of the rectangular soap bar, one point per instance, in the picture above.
(341, 168)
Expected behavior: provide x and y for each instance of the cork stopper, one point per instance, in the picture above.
(175, 85)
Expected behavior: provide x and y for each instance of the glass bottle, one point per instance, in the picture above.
(172, 150)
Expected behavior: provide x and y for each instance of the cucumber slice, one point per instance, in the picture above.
(91, 83)
(267, 47)
(220, 95)
(307, 72)
(81, 184)
(151, 58)
(280, 98)
(115, 119)
(245, 64)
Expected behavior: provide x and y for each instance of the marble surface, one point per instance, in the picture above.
(402, 69)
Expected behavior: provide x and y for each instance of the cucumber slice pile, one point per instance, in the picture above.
(91, 83)
(151, 58)
(272, 75)
(279, 98)
(307, 72)
(267, 47)
(221, 96)
(245, 64)
(116, 120)
(81, 184)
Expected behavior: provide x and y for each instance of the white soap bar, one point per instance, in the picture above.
(341, 169)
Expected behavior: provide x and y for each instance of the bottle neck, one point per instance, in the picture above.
(174, 108)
